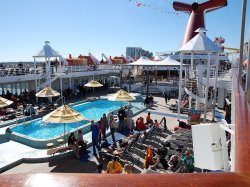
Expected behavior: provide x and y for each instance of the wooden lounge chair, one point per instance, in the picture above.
(57, 150)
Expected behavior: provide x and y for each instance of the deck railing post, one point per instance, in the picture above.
(242, 32)
(248, 72)
(180, 86)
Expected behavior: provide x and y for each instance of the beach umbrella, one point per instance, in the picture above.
(5, 102)
(47, 92)
(93, 84)
(63, 114)
(121, 95)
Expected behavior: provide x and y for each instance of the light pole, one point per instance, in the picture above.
(129, 81)
(147, 81)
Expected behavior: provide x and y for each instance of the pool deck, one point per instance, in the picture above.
(14, 154)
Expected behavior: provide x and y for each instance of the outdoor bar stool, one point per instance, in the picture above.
(60, 141)
(50, 145)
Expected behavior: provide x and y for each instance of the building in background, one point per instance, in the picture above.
(137, 52)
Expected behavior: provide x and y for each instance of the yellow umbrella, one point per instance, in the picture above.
(47, 92)
(63, 114)
(93, 84)
(5, 102)
(121, 95)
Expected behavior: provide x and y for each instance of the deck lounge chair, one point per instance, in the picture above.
(127, 154)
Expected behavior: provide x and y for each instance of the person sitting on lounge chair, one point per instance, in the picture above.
(188, 162)
(127, 169)
(81, 142)
(148, 119)
(161, 154)
(114, 166)
(173, 161)
(140, 124)
(157, 125)
(183, 125)
(73, 145)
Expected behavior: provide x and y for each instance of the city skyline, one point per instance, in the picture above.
(105, 27)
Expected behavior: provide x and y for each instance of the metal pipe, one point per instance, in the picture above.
(215, 85)
(180, 86)
(207, 87)
(248, 71)
(243, 19)
(147, 81)
(129, 80)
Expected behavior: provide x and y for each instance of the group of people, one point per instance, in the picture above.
(125, 115)
(78, 145)
(140, 125)
(100, 127)
(156, 156)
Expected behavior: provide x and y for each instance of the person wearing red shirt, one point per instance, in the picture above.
(139, 124)
(148, 119)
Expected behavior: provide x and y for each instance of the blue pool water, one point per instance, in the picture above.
(92, 110)
(39, 130)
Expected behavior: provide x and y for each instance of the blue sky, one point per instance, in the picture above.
(109, 26)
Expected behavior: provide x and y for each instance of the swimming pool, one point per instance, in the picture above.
(37, 133)
(94, 110)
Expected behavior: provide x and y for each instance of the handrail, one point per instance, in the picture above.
(242, 126)
(70, 179)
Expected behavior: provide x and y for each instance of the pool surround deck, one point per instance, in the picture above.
(16, 153)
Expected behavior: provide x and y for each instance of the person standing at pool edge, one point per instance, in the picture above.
(129, 118)
(121, 115)
(105, 125)
(113, 126)
(95, 132)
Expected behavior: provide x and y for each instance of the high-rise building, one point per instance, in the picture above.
(147, 54)
(134, 52)
(137, 52)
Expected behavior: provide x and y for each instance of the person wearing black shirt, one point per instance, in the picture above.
(121, 115)
(161, 152)
(73, 145)
(146, 101)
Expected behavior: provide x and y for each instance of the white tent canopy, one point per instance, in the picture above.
(200, 43)
(169, 62)
(47, 51)
(144, 61)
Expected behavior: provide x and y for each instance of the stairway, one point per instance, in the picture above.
(42, 83)
(153, 89)
(197, 90)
